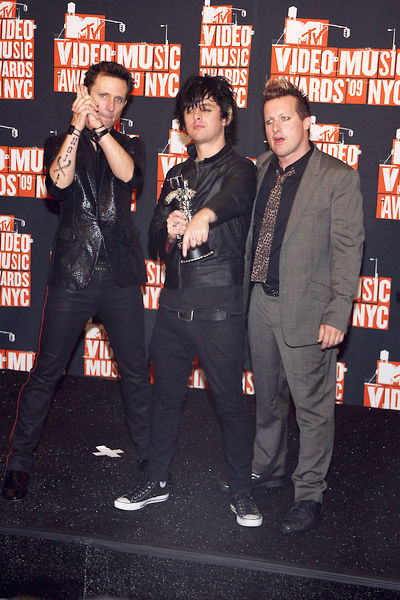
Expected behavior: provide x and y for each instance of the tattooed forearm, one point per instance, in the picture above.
(61, 167)
(65, 162)
(60, 170)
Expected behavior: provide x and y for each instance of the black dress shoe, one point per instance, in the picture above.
(257, 482)
(15, 485)
(301, 516)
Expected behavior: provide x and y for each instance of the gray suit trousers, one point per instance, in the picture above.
(306, 373)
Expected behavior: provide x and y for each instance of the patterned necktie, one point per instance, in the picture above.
(264, 244)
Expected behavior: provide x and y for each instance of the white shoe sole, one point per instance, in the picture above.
(123, 503)
(247, 522)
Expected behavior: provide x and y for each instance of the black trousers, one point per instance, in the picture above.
(220, 348)
(64, 316)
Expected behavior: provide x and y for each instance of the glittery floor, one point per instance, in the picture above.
(72, 490)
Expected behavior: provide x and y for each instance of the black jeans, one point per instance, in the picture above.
(220, 348)
(64, 316)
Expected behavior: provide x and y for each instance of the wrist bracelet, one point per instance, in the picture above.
(97, 135)
(72, 129)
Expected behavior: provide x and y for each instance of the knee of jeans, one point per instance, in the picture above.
(236, 412)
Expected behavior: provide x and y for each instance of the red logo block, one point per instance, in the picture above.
(99, 356)
(340, 373)
(372, 303)
(155, 280)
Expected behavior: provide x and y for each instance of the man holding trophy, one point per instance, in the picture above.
(199, 229)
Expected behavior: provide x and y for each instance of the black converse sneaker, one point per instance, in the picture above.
(144, 493)
(246, 511)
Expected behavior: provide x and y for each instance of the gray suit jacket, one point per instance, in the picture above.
(321, 251)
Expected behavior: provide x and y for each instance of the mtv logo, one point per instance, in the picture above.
(388, 373)
(7, 9)
(178, 140)
(305, 32)
(95, 331)
(217, 15)
(6, 223)
(324, 133)
(85, 27)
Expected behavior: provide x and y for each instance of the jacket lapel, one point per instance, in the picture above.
(265, 160)
(262, 169)
(306, 189)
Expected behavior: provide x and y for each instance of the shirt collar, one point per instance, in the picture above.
(299, 165)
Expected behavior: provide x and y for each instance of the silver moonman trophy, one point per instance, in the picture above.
(181, 199)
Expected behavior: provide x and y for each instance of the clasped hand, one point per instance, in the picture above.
(85, 110)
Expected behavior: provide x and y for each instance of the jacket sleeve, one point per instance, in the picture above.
(346, 242)
(237, 191)
(135, 148)
(158, 225)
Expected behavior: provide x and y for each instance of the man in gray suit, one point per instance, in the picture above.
(303, 259)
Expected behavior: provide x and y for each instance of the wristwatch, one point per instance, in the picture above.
(97, 135)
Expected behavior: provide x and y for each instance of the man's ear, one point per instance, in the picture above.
(307, 123)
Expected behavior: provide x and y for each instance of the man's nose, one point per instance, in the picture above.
(110, 105)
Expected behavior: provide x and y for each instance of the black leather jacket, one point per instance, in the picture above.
(225, 183)
(95, 208)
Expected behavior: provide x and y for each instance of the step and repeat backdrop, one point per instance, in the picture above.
(343, 54)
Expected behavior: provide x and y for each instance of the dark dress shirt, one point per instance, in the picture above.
(289, 190)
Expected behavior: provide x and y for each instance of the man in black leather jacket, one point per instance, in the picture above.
(97, 264)
(201, 308)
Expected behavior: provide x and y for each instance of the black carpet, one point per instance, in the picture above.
(68, 535)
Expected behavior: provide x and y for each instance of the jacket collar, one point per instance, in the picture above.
(192, 152)
(308, 184)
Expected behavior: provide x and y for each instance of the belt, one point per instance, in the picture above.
(270, 290)
(201, 314)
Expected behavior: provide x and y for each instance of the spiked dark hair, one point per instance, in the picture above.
(199, 87)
